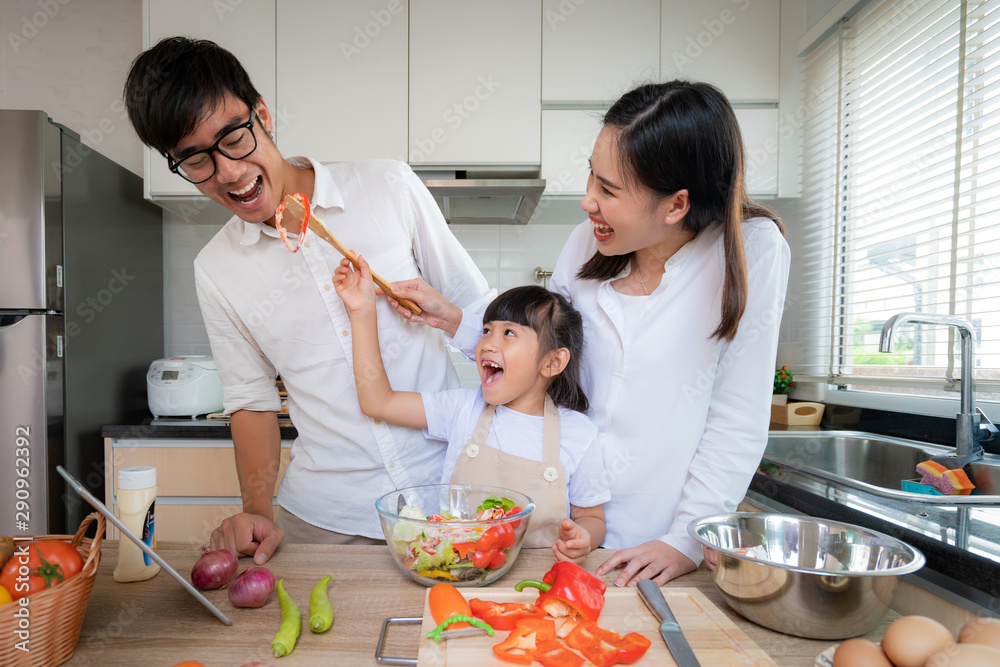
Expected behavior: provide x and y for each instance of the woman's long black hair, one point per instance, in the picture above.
(557, 324)
(684, 135)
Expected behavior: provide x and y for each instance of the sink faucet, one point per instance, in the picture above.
(969, 427)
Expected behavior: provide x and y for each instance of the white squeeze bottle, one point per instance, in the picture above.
(136, 502)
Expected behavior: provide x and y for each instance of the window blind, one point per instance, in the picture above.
(901, 195)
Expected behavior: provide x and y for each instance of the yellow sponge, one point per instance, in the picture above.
(949, 482)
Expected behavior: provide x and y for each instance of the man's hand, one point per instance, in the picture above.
(573, 542)
(438, 311)
(654, 560)
(248, 535)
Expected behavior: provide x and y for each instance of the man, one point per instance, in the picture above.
(270, 311)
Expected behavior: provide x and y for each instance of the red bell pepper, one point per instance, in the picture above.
(568, 590)
(605, 648)
(552, 653)
(522, 642)
(503, 615)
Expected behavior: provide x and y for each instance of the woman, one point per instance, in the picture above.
(680, 279)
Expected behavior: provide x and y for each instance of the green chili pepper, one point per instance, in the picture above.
(320, 611)
(291, 623)
(435, 634)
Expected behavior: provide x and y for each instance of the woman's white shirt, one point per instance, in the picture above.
(683, 417)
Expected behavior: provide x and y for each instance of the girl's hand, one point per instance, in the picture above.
(355, 288)
(573, 542)
(654, 560)
(439, 312)
(711, 558)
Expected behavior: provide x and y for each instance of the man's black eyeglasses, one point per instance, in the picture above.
(237, 144)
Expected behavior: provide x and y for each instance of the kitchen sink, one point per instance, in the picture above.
(876, 464)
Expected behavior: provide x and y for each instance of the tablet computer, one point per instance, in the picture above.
(164, 565)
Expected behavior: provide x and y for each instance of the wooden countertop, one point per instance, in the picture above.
(156, 623)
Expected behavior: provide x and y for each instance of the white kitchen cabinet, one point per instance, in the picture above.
(342, 79)
(761, 147)
(598, 49)
(568, 138)
(475, 82)
(733, 44)
(196, 482)
(245, 27)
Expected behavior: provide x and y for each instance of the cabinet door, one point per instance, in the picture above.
(599, 49)
(475, 82)
(760, 144)
(342, 79)
(568, 138)
(246, 28)
(733, 44)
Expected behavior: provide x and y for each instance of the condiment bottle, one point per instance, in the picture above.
(136, 503)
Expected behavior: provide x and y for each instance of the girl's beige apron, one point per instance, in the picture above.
(543, 481)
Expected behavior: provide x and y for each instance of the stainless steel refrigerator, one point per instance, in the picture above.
(81, 315)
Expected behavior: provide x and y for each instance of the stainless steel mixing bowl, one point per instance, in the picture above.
(804, 576)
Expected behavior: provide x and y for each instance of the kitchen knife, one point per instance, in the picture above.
(669, 629)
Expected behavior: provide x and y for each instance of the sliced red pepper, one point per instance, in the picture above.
(604, 647)
(503, 615)
(464, 549)
(568, 590)
(552, 653)
(523, 640)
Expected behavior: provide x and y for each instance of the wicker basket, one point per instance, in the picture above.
(56, 614)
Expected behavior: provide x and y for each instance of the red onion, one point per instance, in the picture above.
(214, 569)
(252, 587)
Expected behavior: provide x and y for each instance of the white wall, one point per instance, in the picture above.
(69, 58)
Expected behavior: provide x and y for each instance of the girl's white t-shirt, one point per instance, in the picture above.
(452, 417)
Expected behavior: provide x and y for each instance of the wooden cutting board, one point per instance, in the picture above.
(714, 638)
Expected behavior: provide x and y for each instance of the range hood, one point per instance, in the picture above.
(466, 196)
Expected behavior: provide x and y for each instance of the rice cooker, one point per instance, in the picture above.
(185, 386)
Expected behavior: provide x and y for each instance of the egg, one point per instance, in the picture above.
(910, 640)
(984, 631)
(860, 653)
(965, 655)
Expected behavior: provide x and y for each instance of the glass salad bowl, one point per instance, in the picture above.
(466, 535)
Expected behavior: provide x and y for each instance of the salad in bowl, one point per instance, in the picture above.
(466, 535)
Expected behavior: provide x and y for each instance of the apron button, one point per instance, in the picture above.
(550, 475)
(472, 451)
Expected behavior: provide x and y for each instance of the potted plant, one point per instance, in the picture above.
(782, 385)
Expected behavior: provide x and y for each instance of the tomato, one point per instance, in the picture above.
(498, 559)
(48, 561)
(488, 540)
(482, 559)
(507, 537)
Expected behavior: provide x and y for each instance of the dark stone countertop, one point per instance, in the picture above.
(182, 428)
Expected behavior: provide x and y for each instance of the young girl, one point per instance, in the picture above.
(509, 432)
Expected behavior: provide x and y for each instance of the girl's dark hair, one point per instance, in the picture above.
(557, 324)
(176, 83)
(684, 135)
